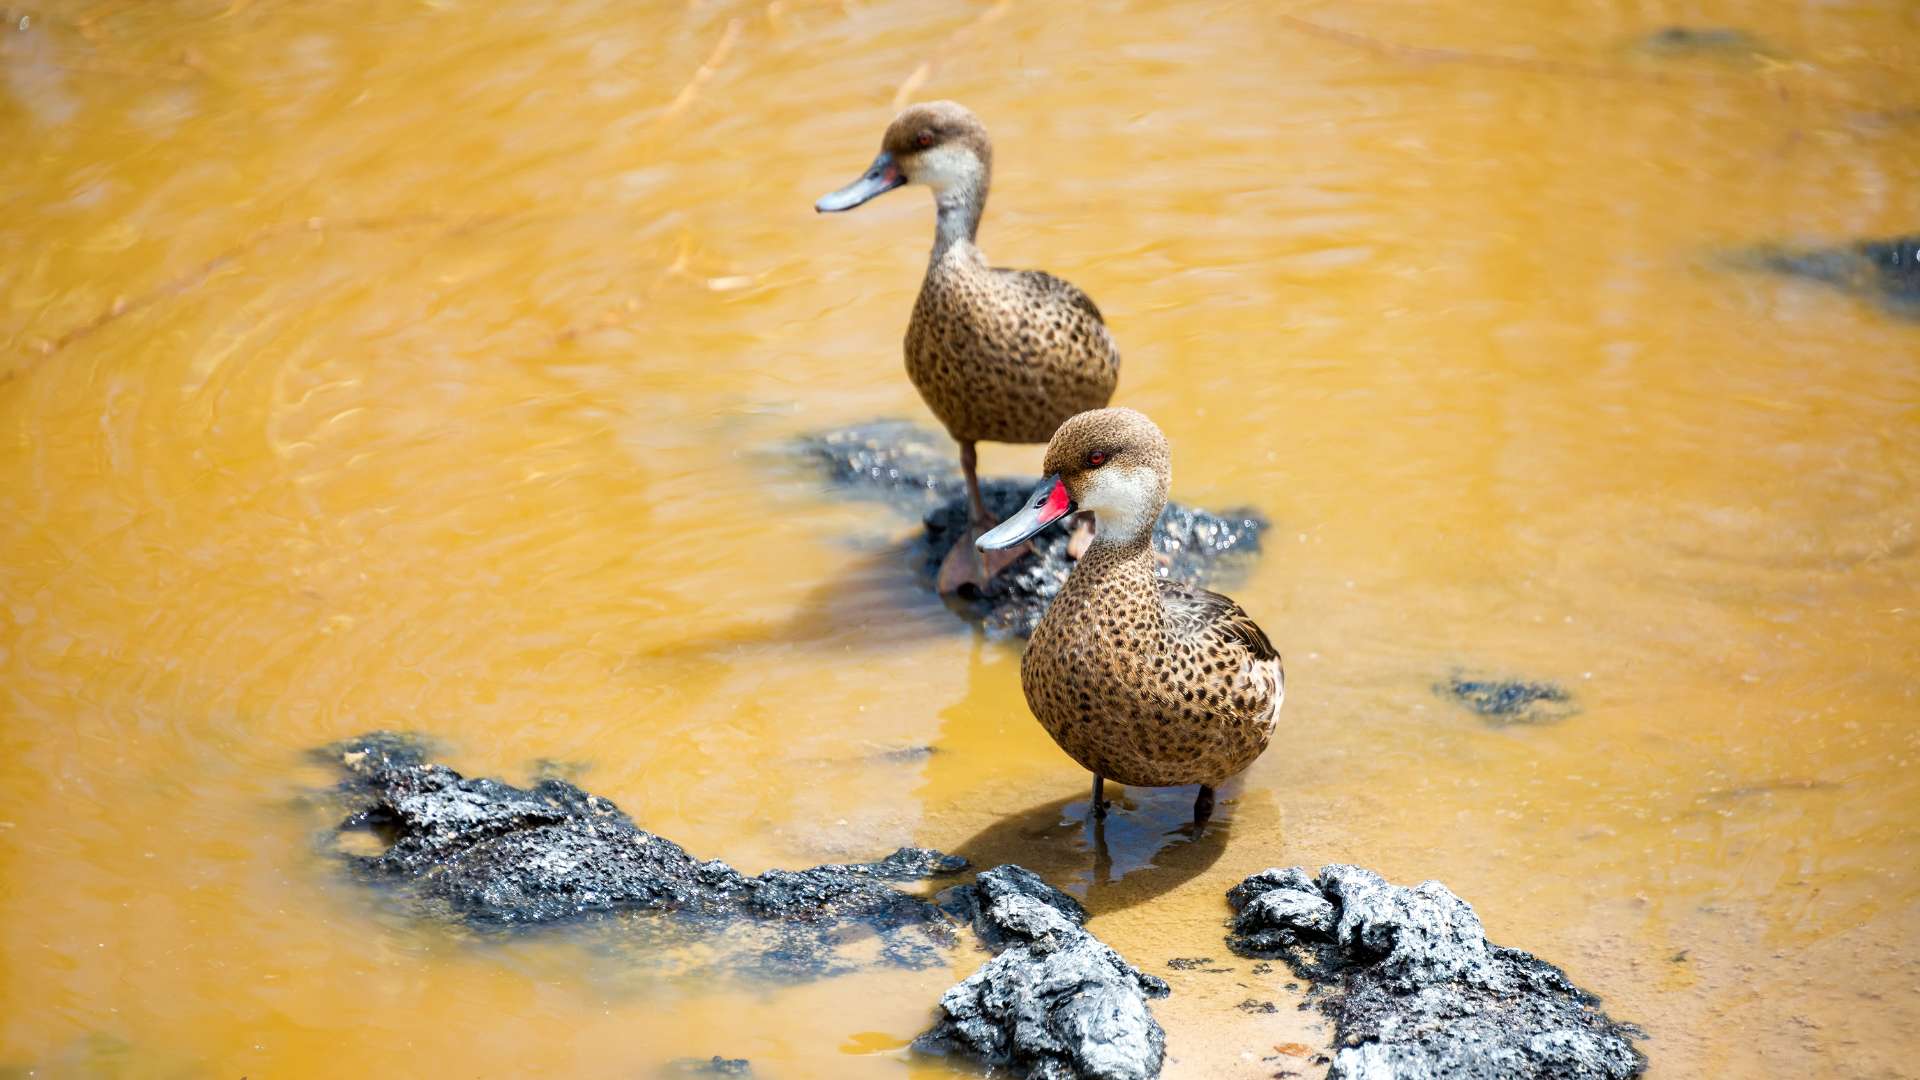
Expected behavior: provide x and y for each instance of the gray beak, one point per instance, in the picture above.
(1048, 504)
(881, 177)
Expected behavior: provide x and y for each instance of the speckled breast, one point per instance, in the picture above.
(1150, 720)
(995, 370)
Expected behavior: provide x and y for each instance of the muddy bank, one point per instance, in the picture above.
(916, 471)
(1056, 1003)
(1415, 989)
(493, 856)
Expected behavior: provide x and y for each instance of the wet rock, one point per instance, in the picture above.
(1885, 271)
(1509, 701)
(495, 855)
(917, 472)
(713, 1066)
(893, 461)
(1196, 963)
(1056, 1003)
(906, 755)
(1414, 987)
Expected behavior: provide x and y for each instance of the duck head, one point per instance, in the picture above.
(1113, 462)
(939, 144)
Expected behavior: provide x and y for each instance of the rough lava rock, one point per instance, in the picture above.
(495, 855)
(1415, 989)
(1056, 1003)
(1887, 271)
(916, 471)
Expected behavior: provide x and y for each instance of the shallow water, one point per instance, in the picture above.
(417, 365)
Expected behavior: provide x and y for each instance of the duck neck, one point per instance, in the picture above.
(1116, 559)
(960, 205)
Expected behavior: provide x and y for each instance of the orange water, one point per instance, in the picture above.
(417, 365)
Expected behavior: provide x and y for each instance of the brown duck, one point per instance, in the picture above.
(1139, 679)
(999, 355)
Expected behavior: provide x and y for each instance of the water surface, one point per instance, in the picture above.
(416, 365)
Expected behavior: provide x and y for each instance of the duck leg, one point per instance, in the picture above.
(966, 565)
(1099, 797)
(1203, 805)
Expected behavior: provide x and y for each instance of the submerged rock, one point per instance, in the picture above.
(1509, 701)
(1886, 271)
(1056, 1004)
(916, 472)
(1720, 42)
(1414, 987)
(713, 1066)
(495, 855)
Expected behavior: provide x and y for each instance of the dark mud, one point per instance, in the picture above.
(916, 471)
(1056, 1003)
(497, 856)
(1886, 272)
(1414, 987)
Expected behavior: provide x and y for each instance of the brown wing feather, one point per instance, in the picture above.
(1196, 611)
(1044, 284)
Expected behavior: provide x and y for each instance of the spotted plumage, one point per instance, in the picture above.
(1005, 355)
(999, 355)
(1140, 679)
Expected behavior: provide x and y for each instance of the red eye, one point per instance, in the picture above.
(1097, 459)
(925, 138)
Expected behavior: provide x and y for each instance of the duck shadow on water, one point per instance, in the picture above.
(875, 603)
(1146, 846)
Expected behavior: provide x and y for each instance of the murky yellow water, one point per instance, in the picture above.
(413, 365)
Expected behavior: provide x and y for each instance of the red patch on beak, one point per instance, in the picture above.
(1057, 501)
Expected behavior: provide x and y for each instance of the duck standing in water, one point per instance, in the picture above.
(999, 355)
(1140, 679)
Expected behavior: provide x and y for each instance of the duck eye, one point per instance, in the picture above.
(1096, 459)
(925, 139)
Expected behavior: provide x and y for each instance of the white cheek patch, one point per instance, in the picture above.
(945, 167)
(1122, 500)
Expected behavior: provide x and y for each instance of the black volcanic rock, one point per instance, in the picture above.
(1415, 989)
(916, 472)
(496, 856)
(1056, 1003)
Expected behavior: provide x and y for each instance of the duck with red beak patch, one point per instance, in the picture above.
(1140, 679)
